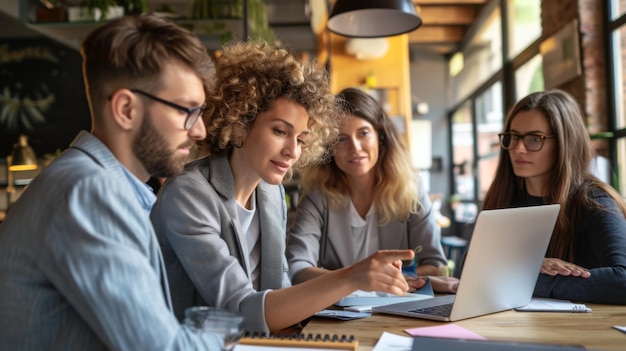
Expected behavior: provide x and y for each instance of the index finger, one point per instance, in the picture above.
(392, 255)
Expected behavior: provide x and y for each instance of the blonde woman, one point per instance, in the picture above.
(367, 198)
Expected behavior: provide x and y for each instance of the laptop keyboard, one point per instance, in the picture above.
(438, 310)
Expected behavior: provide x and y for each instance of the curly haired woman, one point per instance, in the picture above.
(222, 222)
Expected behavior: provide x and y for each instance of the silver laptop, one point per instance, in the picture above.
(501, 268)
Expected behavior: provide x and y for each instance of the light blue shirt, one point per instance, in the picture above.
(144, 193)
(80, 266)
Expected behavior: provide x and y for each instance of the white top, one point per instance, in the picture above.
(249, 221)
(364, 232)
(323, 237)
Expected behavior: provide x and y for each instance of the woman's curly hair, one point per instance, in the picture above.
(251, 75)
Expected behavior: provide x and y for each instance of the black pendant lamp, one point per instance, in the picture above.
(373, 18)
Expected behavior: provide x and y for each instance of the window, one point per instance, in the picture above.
(489, 121)
(482, 58)
(618, 7)
(463, 152)
(621, 166)
(617, 70)
(619, 61)
(477, 85)
(524, 18)
(529, 77)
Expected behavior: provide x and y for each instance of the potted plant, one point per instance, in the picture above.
(96, 10)
(105, 9)
(259, 23)
(134, 7)
(233, 9)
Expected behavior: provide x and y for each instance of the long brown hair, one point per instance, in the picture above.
(570, 183)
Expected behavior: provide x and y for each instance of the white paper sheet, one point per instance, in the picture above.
(393, 342)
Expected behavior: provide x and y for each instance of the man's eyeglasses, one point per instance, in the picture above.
(193, 113)
(532, 142)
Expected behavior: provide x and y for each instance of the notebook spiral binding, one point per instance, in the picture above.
(303, 337)
(343, 342)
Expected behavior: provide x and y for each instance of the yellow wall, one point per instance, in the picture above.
(391, 72)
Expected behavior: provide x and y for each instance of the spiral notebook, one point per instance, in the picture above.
(539, 304)
(296, 342)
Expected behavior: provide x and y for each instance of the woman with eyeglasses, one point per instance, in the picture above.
(545, 159)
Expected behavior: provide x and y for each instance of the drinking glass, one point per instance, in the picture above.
(218, 321)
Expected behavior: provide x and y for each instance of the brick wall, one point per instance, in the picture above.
(589, 89)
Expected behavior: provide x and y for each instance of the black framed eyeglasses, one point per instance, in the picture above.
(532, 142)
(193, 113)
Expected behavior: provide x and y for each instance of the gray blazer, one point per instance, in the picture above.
(320, 237)
(204, 248)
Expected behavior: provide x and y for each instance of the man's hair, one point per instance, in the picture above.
(131, 52)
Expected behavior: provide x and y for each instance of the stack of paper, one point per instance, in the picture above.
(552, 305)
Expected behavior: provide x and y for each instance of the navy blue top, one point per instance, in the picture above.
(601, 248)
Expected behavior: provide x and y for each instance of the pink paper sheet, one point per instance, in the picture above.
(451, 331)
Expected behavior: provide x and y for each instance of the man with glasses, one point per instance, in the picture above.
(80, 266)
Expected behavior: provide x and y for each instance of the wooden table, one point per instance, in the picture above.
(592, 330)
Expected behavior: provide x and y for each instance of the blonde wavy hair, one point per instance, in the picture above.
(250, 76)
(396, 187)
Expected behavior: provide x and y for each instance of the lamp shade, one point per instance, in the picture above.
(373, 18)
(23, 157)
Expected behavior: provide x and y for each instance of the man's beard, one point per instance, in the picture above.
(151, 149)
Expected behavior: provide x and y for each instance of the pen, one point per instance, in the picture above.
(417, 249)
(409, 269)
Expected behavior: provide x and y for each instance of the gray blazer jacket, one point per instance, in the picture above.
(320, 237)
(204, 248)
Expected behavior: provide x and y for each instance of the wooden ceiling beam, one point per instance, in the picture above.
(442, 49)
(443, 15)
(437, 34)
(449, 2)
